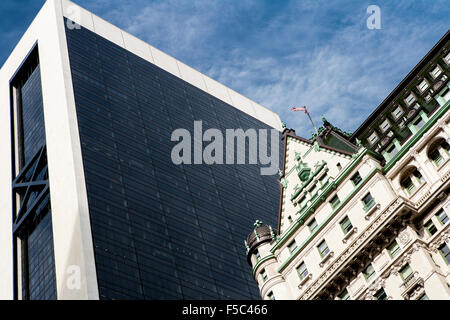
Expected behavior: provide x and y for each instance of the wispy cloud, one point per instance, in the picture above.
(289, 53)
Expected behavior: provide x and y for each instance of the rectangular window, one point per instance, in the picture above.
(444, 251)
(430, 227)
(303, 201)
(323, 180)
(344, 295)
(410, 99)
(380, 295)
(373, 138)
(369, 272)
(356, 179)
(408, 185)
(423, 85)
(416, 174)
(385, 125)
(313, 191)
(393, 249)
(334, 202)
(346, 225)
(264, 275)
(397, 113)
(442, 216)
(436, 72)
(312, 225)
(302, 271)
(419, 123)
(436, 157)
(406, 272)
(292, 246)
(447, 59)
(270, 296)
(257, 255)
(368, 202)
(392, 151)
(323, 248)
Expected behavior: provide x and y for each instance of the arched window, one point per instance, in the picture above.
(439, 151)
(411, 179)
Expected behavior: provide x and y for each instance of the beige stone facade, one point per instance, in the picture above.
(366, 215)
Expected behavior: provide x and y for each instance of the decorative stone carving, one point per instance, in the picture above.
(404, 237)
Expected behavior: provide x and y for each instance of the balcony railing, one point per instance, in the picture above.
(410, 284)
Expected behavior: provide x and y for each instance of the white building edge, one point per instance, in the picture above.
(70, 214)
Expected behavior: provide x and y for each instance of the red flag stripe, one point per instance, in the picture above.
(299, 109)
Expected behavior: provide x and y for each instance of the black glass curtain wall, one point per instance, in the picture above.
(161, 231)
(34, 268)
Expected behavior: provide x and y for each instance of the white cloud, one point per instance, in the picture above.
(318, 54)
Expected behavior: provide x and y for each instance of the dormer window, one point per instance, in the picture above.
(423, 85)
(313, 190)
(447, 59)
(373, 138)
(410, 99)
(302, 202)
(397, 113)
(385, 125)
(436, 72)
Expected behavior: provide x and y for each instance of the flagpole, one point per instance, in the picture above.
(315, 128)
(309, 116)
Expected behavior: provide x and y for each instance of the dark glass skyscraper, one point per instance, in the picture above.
(148, 229)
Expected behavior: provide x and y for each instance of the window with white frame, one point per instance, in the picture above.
(369, 272)
(447, 59)
(385, 125)
(312, 225)
(346, 225)
(406, 272)
(323, 249)
(418, 123)
(257, 255)
(438, 152)
(263, 274)
(445, 252)
(436, 72)
(423, 85)
(410, 99)
(373, 138)
(393, 249)
(292, 246)
(302, 271)
(392, 150)
(411, 180)
(397, 113)
(442, 216)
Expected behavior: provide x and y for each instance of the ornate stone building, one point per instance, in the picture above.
(365, 215)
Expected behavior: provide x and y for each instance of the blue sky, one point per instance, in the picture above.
(278, 53)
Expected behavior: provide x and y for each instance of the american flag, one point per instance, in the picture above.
(300, 109)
